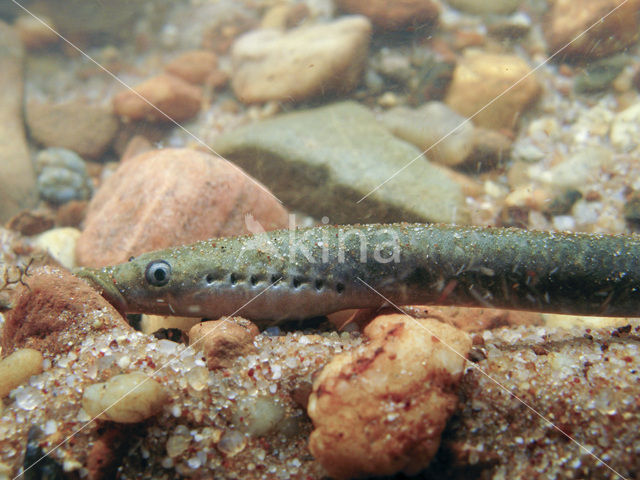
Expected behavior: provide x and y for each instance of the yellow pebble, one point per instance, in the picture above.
(17, 368)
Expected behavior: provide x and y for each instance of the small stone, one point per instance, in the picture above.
(625, 128)
(562, 203)
(380, 409)
(35, 33)
(152, 323)
(62, 176)
(17, 177)
(574, 172)
(172, 197)
(107, 453)
(490, 148)
(197, 378)
(84, 128)
(446, 136)
(480, 78)
(164, 98)
(127, 398)
(17, 368)
(587, 30)
(394, 15)
(494, 6)
(222, 341)
(301, 63)
(258, 415)
(193, 66)
(31, 222)
(232, 443)
(598, 75)
(632, 209)
(61, 245)
(177, 444)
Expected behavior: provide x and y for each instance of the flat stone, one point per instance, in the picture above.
(393, 15)
(323, 161)
(494, 6)
(83, 128)
(17, 176)
(495, 88)
(304, 62)
(586, 30)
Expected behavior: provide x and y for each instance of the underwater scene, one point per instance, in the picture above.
(319, 239)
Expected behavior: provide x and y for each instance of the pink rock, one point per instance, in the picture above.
(171, 197)
(176, 98)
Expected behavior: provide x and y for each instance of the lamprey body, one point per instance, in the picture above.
(293, 274)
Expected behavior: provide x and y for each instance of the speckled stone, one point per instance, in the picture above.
(62, 176)
(171, 197)
(494, 6)
(318, 161)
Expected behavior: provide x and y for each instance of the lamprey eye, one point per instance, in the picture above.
(158, 273)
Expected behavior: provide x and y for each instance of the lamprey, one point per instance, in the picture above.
(303, 273)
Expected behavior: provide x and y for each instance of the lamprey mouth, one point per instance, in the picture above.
(102, 281)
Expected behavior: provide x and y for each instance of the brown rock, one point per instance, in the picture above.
(173, 99)
(223, 340)
(17, 178)
(31, 222)
(568, 20)
(193, 66)
(480, 78)
(78, 126)
(171, 197)
(107, 452)
(393, 15)
(56, 313)
(380, 409)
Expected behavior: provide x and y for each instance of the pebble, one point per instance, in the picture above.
(599, 75)
(44, 317)
(315, 160)
(62, 176)
(394, 15)
(17, 178)
(173, 98)
(580, 30)
(574, 172)
(61, 244)
(126, 398)
(222, 341)
(301, 63)
(404, 379)
(625, 128)
(479, 78)
(433, 123)
(258, 415)
(171, 197)
(194, 66)
(494, 6)
(17, 368)
(85, 128)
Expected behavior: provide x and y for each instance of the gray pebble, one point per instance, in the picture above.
(62, 176)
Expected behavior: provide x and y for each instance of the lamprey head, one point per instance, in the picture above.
(104, 282)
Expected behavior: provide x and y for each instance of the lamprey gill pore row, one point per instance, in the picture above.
(295, 274)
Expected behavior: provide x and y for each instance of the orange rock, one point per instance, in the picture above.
(173, 97)
(223, 340)
(393, 15)
(170, 197)
(56, 313)
(568, 20)
(193, 66)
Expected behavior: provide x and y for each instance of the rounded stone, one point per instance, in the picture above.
(393, 15)
(170, 197)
